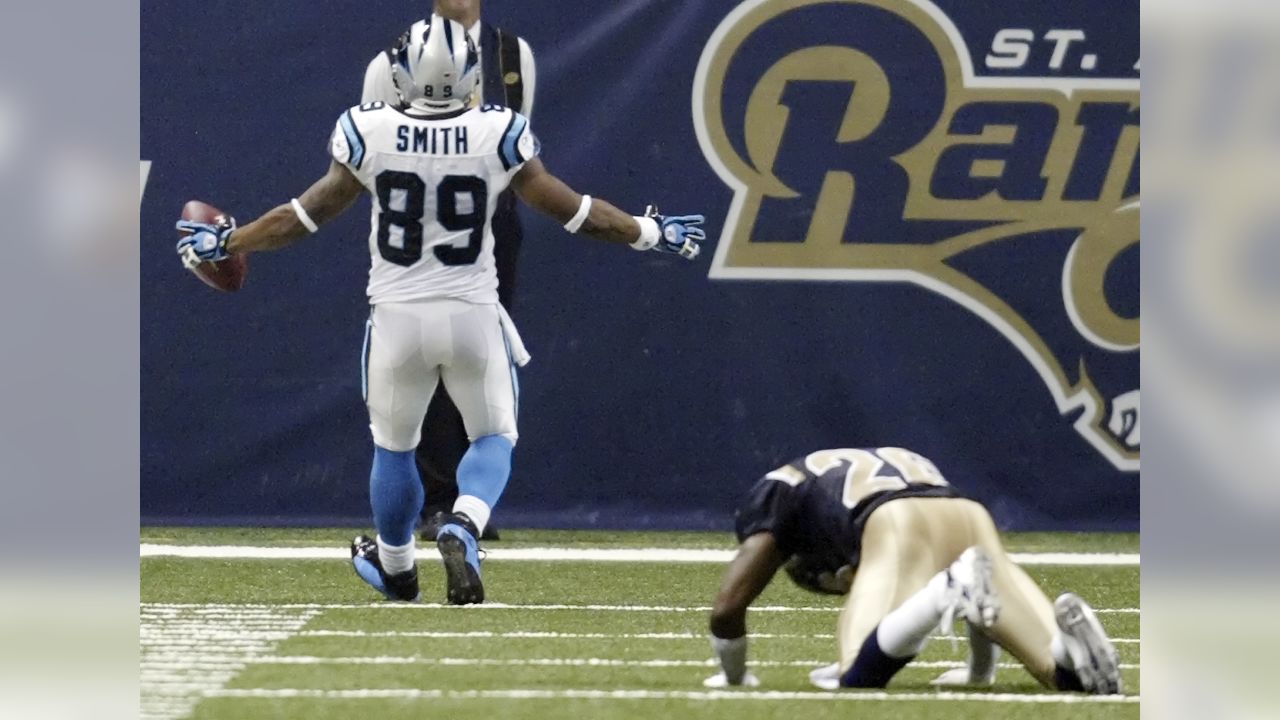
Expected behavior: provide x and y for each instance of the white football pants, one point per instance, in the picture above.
(411, 346)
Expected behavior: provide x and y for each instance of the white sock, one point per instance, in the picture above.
(1059, 652)
(395, 558)
(474, 508)
(905, 631)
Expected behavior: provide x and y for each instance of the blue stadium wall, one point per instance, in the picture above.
(923, 232)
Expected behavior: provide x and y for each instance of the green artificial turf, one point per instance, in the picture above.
(254, 628)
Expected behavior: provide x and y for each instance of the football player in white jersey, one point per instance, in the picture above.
(507, 76)
(435, 169)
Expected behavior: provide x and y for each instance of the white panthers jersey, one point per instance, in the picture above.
(435, 180)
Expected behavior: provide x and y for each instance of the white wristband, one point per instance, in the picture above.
(733, 657)
(649, 233)
(303, 217)
(575, 223)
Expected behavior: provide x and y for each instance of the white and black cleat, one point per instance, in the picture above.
(971, 593)
(1096, 662)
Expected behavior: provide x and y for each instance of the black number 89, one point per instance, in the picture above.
(409, 220)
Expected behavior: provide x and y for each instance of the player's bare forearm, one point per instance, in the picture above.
(757, 561)
(326, 199)
(550, 196)
(608, 223)
(276, 229)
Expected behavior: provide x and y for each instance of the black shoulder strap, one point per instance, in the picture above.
(494, 91)
(512, 78)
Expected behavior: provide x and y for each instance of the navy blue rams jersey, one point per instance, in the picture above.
(817, 505)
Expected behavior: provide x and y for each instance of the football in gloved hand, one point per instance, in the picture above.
(227, 275)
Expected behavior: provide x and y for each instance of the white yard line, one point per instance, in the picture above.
(190, 651)
(709, 663)
(185, 653)
(774, 696)
(543, 635)
(660, 555)
(538, 635)
(228, 607)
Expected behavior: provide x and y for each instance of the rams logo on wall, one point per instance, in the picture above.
(862, 146)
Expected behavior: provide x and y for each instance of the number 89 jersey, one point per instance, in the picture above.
(817, 505)
(435, 180)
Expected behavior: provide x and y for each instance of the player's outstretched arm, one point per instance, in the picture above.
(752, 569)
(550, 196)
(326, 199)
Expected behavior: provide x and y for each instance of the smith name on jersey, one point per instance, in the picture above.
(435, 180)
(817, 505)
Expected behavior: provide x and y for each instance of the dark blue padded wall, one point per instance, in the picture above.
(922, 233)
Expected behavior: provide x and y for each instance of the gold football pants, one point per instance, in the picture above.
(906, 542)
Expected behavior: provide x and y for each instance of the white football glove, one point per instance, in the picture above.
(981, 669)
(826, 677)
(720, 681)
(956, 677)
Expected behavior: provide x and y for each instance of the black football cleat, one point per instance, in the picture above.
(402, 587)
(460, 551)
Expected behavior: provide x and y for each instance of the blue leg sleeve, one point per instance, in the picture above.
(395, 492)
(485, 468)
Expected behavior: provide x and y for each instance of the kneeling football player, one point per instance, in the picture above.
(884, 527)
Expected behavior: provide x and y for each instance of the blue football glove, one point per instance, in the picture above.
(680, 234)
(204, 242)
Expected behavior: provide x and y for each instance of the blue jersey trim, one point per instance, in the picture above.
(508, 150)
(354, 140)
